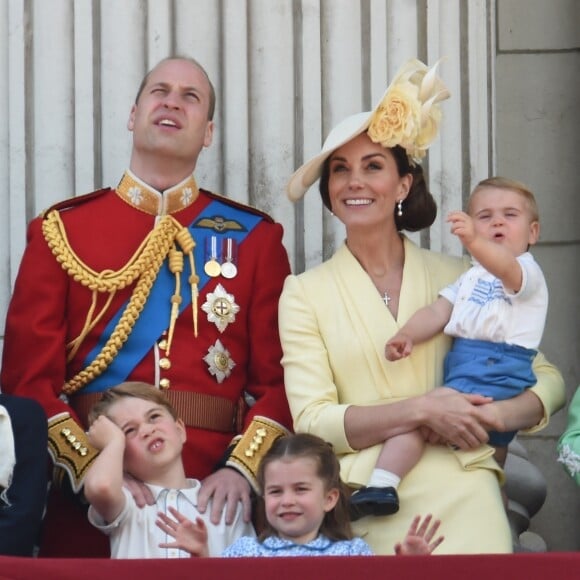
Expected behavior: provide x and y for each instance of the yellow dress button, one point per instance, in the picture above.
(164, 383)
(165, 363)
(163, 344)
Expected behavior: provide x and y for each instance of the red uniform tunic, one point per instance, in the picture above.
(49, 309)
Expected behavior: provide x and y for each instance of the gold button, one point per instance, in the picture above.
(163, 344)
(165, 363)
(164, 383)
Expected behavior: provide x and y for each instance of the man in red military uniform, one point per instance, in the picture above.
(156, 281)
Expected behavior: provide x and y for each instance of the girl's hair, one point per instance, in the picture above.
(129, 389)
(336, 522)
(419, 207)
(509, 185)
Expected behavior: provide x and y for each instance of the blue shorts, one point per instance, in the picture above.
(497, 370)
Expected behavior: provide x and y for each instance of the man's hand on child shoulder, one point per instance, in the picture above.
(226, 488)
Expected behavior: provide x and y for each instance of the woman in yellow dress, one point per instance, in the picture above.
(335, 318)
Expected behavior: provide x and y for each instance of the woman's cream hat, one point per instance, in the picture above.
(407, 115)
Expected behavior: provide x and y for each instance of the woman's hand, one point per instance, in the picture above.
(418, 542)
(457, 419)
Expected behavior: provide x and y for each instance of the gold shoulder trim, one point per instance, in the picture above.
(254, 444)
(70, 449)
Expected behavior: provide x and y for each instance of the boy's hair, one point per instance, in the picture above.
(129, 389)
(512, 185)
(336, 523)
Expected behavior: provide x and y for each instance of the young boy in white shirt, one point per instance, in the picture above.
(138, 433)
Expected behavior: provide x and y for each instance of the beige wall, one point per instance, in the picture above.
(537, 68)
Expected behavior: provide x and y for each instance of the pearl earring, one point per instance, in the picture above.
(400, 208)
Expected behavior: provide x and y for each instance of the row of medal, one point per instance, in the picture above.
(221, 257)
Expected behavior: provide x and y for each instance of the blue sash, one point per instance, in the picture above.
(154, 318)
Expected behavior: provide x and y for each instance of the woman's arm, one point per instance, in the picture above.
(455, 418)
(345, 419)
(462, 420)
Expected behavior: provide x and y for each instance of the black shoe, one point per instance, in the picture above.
(373, 501)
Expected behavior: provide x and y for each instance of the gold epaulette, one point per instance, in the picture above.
(253, 445)
(70, 449)
(239, 205)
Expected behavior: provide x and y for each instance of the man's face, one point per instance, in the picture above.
(170, 119)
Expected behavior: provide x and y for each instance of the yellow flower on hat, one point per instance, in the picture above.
(408, 114)
(397, 118)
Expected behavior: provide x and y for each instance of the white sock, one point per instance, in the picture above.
(383, 478)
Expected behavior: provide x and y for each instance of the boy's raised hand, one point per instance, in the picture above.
(103, 431)
(189, 536)
(418, 539)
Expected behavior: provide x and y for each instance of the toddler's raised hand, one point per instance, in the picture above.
(462, 226)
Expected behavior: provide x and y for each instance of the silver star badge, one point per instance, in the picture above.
(221, 307)
(219, 361)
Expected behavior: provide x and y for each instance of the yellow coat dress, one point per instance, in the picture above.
(333, 326)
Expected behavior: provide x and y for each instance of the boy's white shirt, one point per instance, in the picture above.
(134, 534)
(484, 310)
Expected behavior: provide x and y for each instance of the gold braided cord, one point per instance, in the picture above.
(90, 322)
(176, 267)
(107, 280)
(119, 335)
(193, 284)
(187, 243)
(143, 266)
